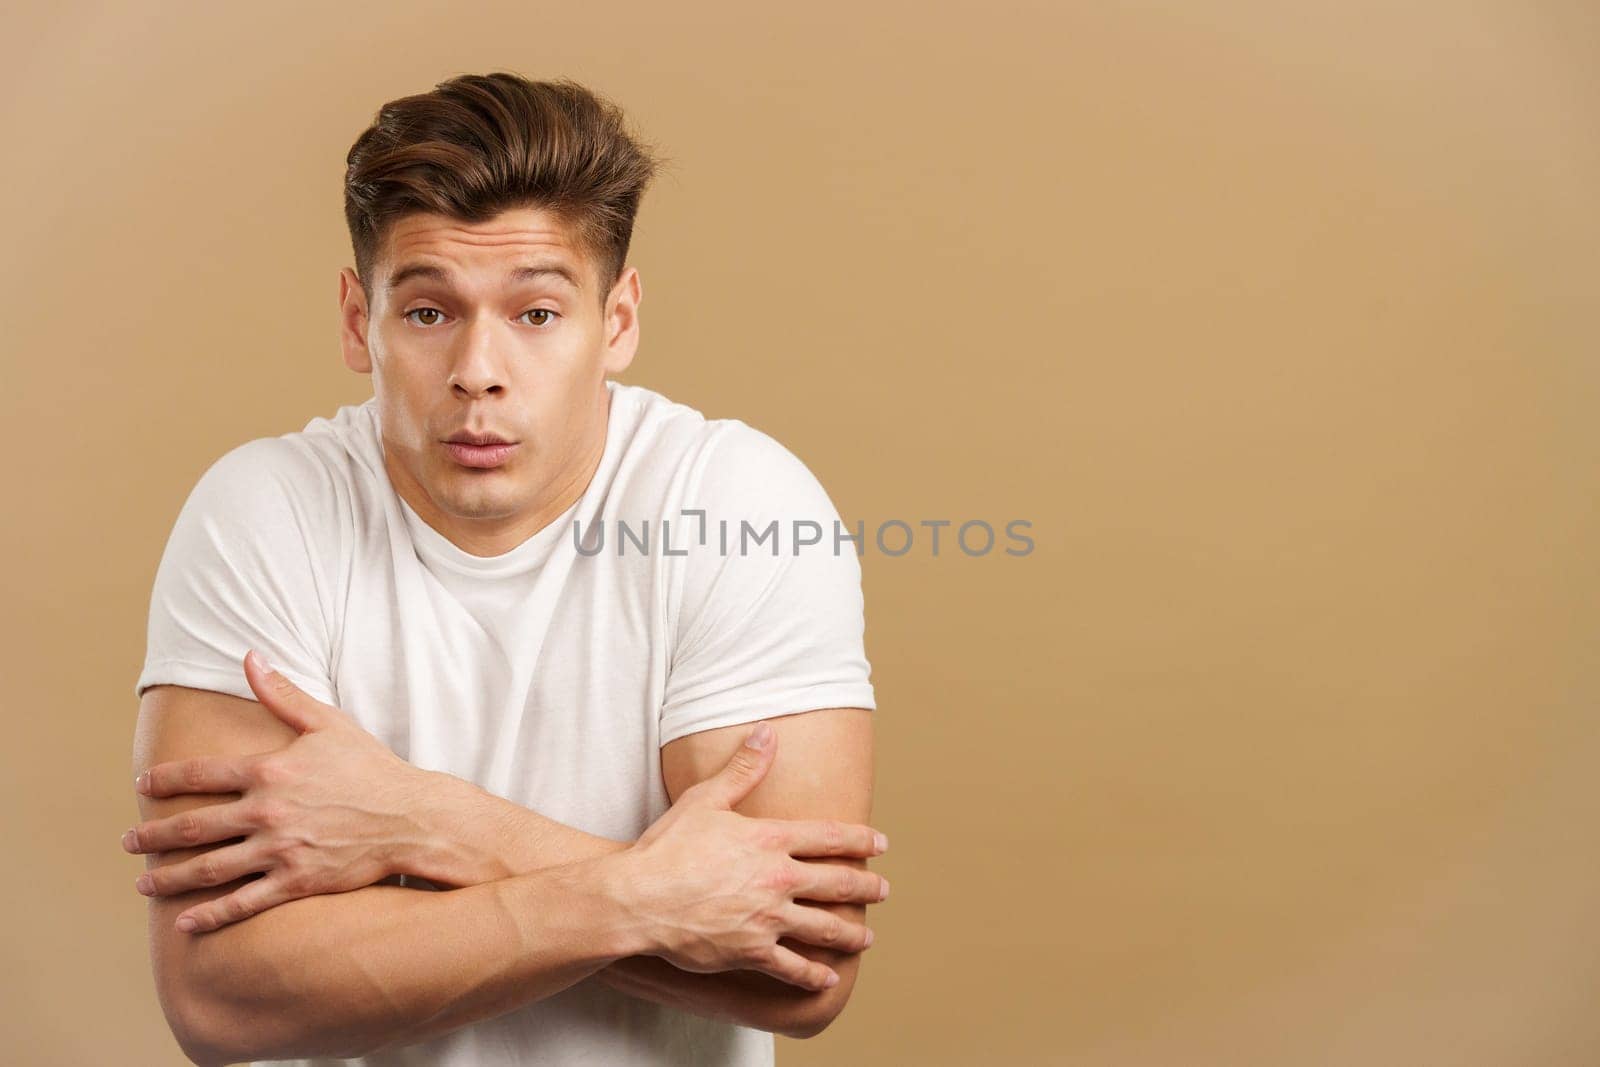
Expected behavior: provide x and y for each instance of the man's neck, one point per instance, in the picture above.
(490, 537)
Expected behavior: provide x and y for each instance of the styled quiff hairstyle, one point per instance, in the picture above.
(480, 144)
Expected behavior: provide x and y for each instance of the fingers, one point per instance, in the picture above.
(188, 829)
(216, 867)
(282, 697)
(788, 965)
(743, 771)
(820, 927)
(832, 883)
(830, 837)
(249, 899)
(202, 774)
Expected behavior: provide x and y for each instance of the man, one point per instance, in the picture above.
(445, 749)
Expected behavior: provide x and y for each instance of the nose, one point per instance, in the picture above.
(475, 368)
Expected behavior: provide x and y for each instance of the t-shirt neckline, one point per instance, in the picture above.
(435, 548)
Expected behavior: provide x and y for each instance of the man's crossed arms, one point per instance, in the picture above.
(703, 913)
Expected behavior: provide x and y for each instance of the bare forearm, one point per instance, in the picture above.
(472, 835)
(746, 998)
(467, 836)
(346, 974)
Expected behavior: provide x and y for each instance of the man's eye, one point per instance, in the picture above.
(437, 315)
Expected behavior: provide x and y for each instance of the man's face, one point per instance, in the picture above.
(462, 336)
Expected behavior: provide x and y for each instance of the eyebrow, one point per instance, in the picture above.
(529, 272)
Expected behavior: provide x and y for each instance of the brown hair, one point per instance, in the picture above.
(479, 144)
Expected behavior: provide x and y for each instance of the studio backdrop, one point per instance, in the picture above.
(1240, 357)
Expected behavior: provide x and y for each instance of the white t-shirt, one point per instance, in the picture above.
(550, 675)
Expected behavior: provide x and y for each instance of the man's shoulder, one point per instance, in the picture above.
(724, 453)
(749, 472)
(308, 476)
(266, 472)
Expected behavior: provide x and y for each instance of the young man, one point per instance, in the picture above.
(491, 793)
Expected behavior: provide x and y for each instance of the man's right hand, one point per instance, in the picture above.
(714, 890)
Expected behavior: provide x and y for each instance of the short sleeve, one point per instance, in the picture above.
(771, 619)
(240, 571)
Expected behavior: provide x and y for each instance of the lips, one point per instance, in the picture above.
(466, 437)
(488, 455)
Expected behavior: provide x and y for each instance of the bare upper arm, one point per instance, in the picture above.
(822, 770)
(176, 722)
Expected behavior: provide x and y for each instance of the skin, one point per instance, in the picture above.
(542, 903)
(326, 815)
(476, 351)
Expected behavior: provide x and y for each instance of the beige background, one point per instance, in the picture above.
(1275, 320)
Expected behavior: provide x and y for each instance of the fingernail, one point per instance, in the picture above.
(130, 841)
(261, 662)
(144, 884)
(883, 894)
(142, 783)
(830, 981)
(186, 924)
(759, 736)
(869, 937)
(881, 842)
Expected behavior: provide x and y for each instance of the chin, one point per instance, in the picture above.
(480, 503)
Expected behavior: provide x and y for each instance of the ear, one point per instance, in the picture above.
(353, 318)
(622, 322)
